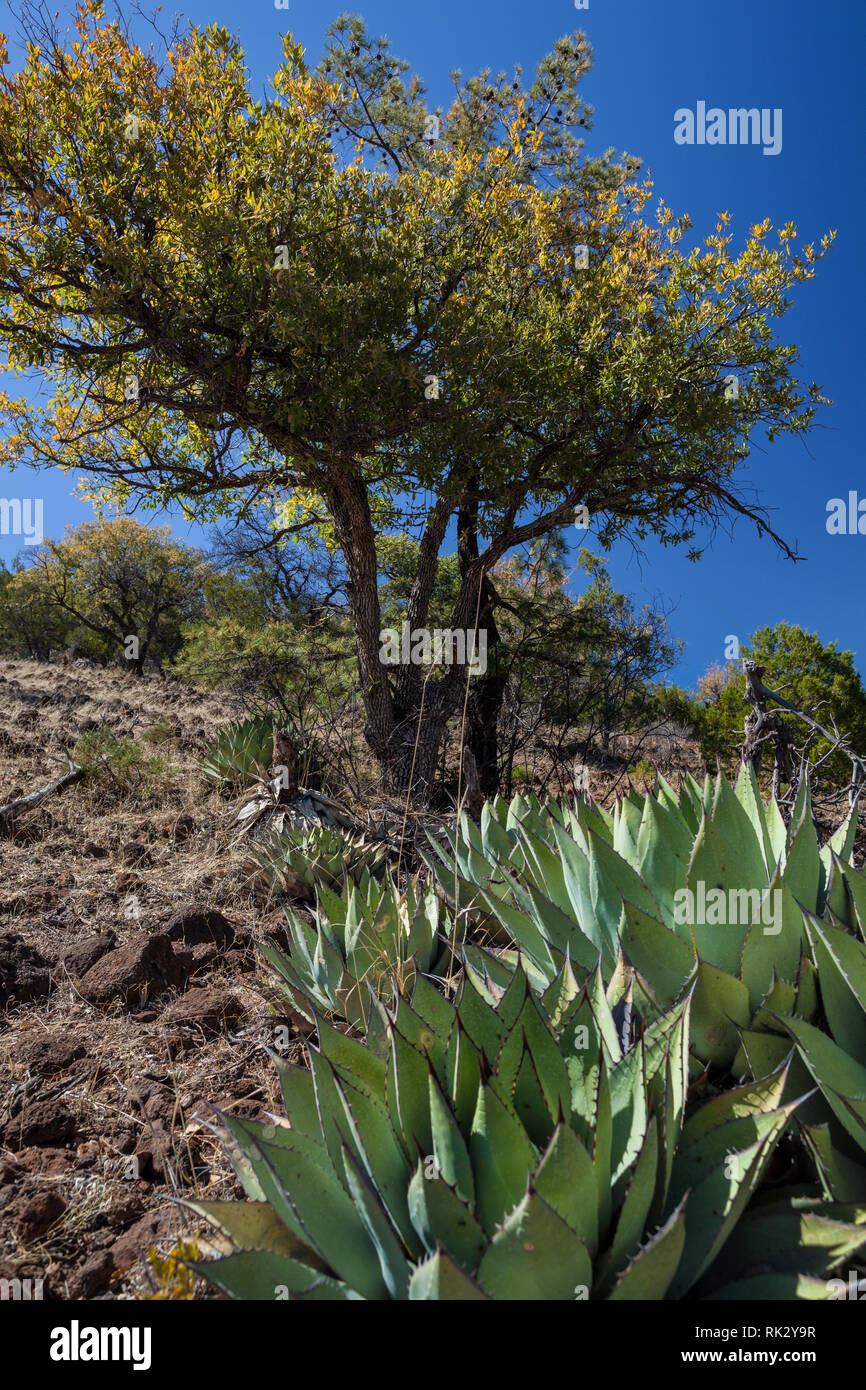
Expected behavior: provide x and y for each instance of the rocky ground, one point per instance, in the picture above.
(131, 1000)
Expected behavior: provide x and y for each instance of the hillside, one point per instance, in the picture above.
(94, 1091)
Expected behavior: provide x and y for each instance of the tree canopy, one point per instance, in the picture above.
(340, 303)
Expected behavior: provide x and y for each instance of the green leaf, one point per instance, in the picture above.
(449, 1146)
(659, 956)
(256, 1226)
(718, 1199)
(395, 1267)
(565, 1178)
(262, 1276)
(633, 1213)
(502, 1157)
(841, 962)
(720, 1004)
(441, 1278)
(841, 1078)
(441, 1218)
(535, 1256)
(653, 1268)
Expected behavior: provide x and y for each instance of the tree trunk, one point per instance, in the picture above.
(487, 691)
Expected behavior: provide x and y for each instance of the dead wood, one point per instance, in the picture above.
(23, 803)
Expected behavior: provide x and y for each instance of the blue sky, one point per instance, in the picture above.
(650, 60)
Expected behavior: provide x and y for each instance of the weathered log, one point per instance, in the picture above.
(473, 797)
(285, 764)
(23, 803)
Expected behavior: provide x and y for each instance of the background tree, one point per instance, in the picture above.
(232, 308)
(31, 624)
(121, 580)
(814, 676)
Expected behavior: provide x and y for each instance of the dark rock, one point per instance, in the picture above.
(47, 1163)
(78, 959)
(39, 1123)
(126, 1209)
(93, 1277)
(24, 972)
(196, 925)
(211, 1010)
(95, 851)
(135, 852)
(146, 966)
(38, 1213)
(139, 1238)
(154, 1151)
(48, 1053)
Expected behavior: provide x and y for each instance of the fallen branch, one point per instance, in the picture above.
(23, 803)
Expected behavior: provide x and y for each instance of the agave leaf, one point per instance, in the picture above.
(482, 1022)
(297, 1179)
(633, 1214)
(721, 1189)
(760, 1053)
(841, 1179)
(299, 1097)
(440, 1278)
(772, 947)
(855, 884)
(441, 1218)
(803, 867)
(729, 817)
(626, 827)
(501, 1158)
(522, 926)
(781, 1239)
(720, 1004)
(395, 1267)
(842, 1079)
(565, 1178)
(362, 1067)
(576, 874)
(613, 881)
(366, 1130)
(661, 958)
(407, 1094)
(714, 866)
(463, 1075)
(650, 1273)
(755, 1098)
(535, 1256)
(256, 1226)
(664, 847)
(449, 1146)
(841, 962)
(667, 797)
(263, 1275)
(748, 793)
(545, 866)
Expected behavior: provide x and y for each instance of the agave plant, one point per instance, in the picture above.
(367, 941)
(708, 889)
(508, 1148)
(299, 860)
(241, 753)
